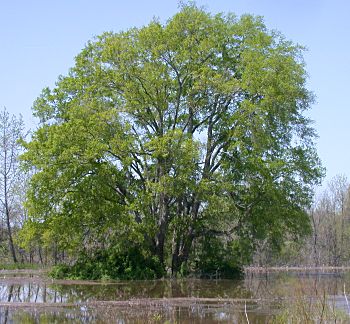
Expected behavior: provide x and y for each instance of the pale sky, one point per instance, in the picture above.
(40, 38)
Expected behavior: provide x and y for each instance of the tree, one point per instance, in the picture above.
(330, 220)
(329, 243)
(11, 131)
(167, 134)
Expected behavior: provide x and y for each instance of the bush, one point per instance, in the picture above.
(111, 264)
(215, 258)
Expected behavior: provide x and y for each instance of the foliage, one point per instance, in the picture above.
(111, 264)
(217, 260)
(329, 241)
(164, 134)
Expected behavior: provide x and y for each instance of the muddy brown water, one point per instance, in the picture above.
(32, 297)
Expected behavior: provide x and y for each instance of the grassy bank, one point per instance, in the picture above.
(19, 266)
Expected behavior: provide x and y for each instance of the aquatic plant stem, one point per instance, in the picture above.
(346, 299)
(245, 311)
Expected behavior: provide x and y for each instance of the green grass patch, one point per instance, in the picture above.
(19, 266)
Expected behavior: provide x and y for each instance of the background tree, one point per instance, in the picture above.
(11, 132)
(165, 137)
(329, 242)
(332, 215)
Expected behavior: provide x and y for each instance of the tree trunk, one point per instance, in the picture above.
(160, 241)
(181, 253)
(315, 239)
(55, 251)
(162, 227)
(11, 245)
(40, 255)
(163, 214)
(182, 242)
(176, 257)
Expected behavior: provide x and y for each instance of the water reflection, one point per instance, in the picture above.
(34, 299)
(26, 290)
(30, 293)
(200, 313)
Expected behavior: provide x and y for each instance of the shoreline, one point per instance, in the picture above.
(252, 269)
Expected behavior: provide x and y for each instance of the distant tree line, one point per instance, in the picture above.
(328, 243)
(12, 181)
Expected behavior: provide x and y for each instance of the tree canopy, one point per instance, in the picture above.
(168, 139)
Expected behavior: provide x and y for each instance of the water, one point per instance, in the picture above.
(34, 298)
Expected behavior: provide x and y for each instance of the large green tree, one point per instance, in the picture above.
(164, 136)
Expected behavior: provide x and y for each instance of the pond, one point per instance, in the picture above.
(32, 297)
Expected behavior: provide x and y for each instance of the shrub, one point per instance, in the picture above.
(111, 264)
(216, 258)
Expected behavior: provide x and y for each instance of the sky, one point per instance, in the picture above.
(39, 40)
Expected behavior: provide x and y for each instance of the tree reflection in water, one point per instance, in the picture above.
(33, 300)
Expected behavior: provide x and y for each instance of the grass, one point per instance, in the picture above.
(19, 266)
(310, 307)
